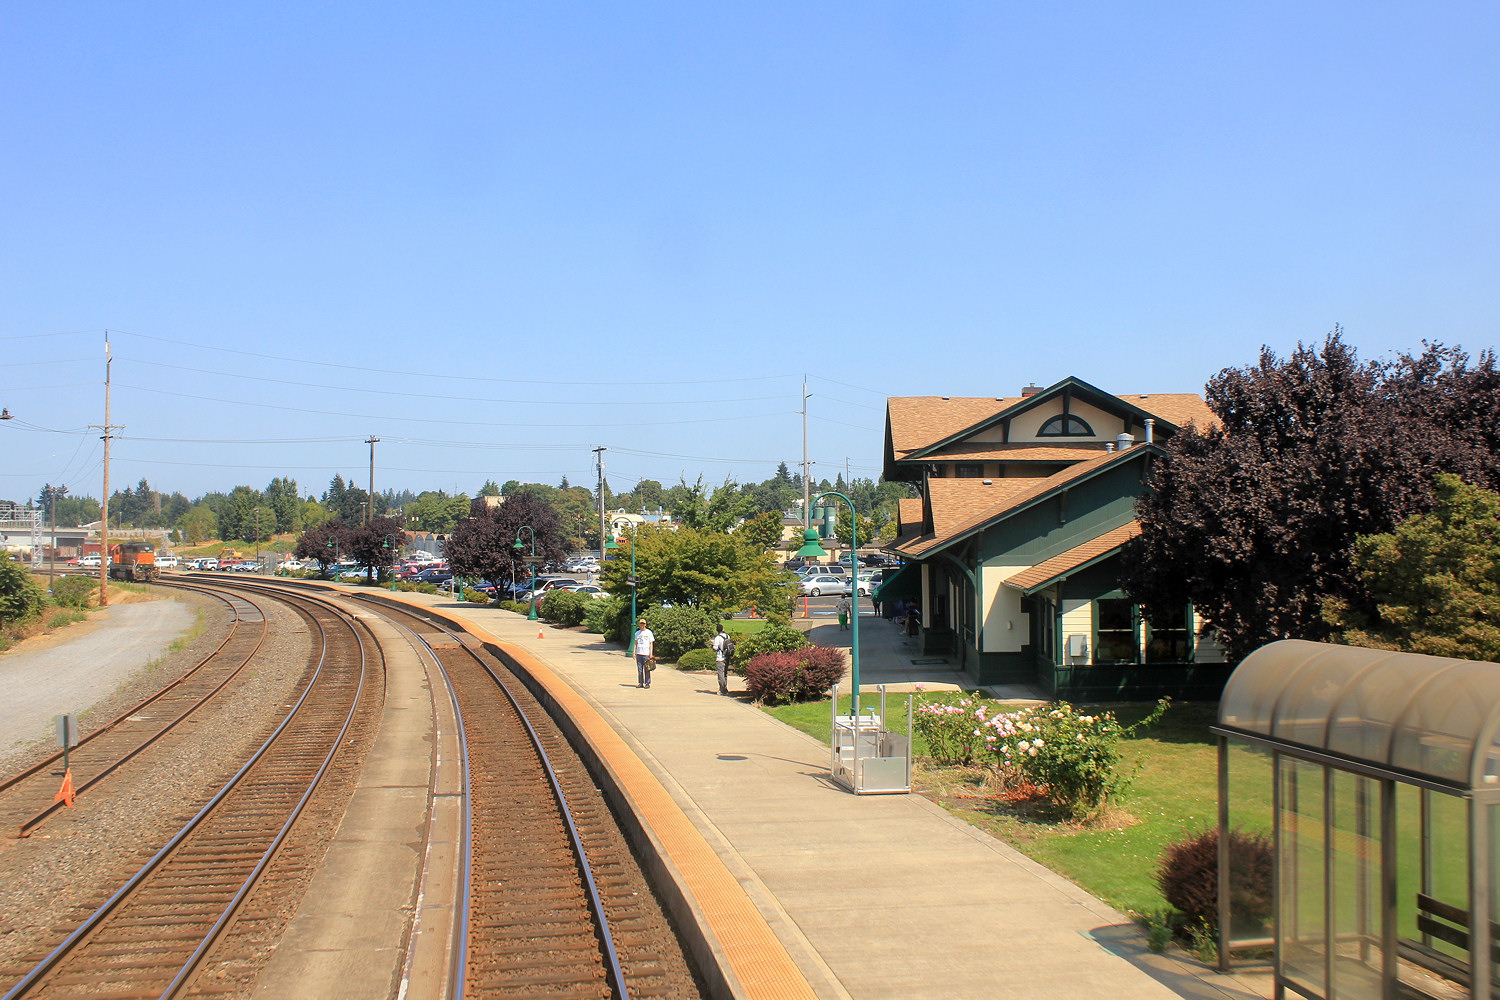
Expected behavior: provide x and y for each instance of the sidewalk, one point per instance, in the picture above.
(875, 897)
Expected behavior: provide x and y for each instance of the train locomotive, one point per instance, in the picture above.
(133, 561)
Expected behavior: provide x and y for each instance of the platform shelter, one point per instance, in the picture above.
(1384, 782)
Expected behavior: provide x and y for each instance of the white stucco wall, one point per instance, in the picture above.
(1105, 425)
(1006, 627)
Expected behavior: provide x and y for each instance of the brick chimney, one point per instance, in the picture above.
(1030, 390)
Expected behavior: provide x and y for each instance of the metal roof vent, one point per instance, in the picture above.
(989, 482)
(1124, 441)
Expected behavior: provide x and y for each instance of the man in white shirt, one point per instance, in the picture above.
(644, 647)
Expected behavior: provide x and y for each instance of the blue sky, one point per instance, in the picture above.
(498, 235)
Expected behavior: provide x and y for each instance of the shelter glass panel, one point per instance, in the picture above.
(1300, 874)
(1250, 778)
(1354, 857)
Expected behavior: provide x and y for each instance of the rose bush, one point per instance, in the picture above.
(954, 728)
(1074, 757)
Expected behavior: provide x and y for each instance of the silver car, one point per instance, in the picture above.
(817, 586)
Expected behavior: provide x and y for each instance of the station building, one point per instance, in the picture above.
(1013, 547)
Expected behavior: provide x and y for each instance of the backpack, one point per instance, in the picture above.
(728, 648)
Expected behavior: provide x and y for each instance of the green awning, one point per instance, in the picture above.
(903, 585)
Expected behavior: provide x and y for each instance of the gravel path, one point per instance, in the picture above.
(83, 669)
(54, 878)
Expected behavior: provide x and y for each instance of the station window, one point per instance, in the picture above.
(969, 470)
(1066, 425)
(1114, 631)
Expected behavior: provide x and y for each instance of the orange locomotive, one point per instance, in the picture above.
(135, 561)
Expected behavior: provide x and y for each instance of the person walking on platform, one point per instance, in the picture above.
(723, 649)
(644, 646)
(842, 607)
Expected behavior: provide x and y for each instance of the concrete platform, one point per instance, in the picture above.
(874, 897)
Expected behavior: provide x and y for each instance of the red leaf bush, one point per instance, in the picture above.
(1189, 877)
(802, 675)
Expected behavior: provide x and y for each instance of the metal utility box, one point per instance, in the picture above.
(868, 758)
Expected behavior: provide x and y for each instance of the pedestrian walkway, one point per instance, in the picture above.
(875, 897)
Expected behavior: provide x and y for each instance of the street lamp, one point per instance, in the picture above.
(811, 548)
(630, 580)
(387, 544)
(531, 561)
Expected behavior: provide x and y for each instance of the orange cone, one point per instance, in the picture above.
(538, 633)
(65, 793)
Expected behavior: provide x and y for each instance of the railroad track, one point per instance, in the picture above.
(556, 905)
(27, 797)
(153, 934)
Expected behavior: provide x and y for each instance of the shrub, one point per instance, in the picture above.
(415, 588)
(680, 629)
(599, 615)
(953, 728)
(776, 637)
(696, 659)
(74, 591)
(519, 607)
(1075, 757)
(477, 596)
(20, 597)
(795, 676)
(65, 617)
(1189, 878)
(565, 607)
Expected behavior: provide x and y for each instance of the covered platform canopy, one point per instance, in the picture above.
(903, 585)
(1385, 774)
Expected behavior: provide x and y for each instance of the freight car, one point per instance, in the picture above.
(134, 561)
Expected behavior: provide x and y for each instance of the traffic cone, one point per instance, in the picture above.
(65, 793)
(538, 633)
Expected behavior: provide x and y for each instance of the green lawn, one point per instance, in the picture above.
(1174, 795)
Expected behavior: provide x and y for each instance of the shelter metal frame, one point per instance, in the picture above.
(1370, 721)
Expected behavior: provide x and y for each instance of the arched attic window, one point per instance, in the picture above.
(1066, 425)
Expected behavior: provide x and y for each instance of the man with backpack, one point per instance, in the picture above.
(723, 649)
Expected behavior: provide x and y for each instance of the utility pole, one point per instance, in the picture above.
(599, 460)
(53, 494)
(370, 507)
(104, 503)
(806, 466)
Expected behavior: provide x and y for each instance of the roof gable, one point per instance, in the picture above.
(919, 427)
(950, 529)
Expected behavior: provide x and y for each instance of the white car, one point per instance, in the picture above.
(817, 586)
(91, 561)
(293, 564)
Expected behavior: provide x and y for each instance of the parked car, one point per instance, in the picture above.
(435, 576)
(91, 561)
(817, 586)
(868, 585)
(542, 584)
(822, 569)
(587, 589)
(167, 562)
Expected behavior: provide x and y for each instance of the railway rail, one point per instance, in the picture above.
(151, 936)
(27, 797)
(552, 901)
(556, 902)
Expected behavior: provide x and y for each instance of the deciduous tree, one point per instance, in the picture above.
(483, 545)
(1253, 521)
(1434, 582)
(698, 567)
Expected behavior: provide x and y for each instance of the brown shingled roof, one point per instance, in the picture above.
(1020, 451)
(1180, 408)
(919, 421)
(1075, 558)
(948, 528)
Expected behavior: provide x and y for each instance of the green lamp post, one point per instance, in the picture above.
(630, 581)
(531, 562)
(385, 545)
(811, 549)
